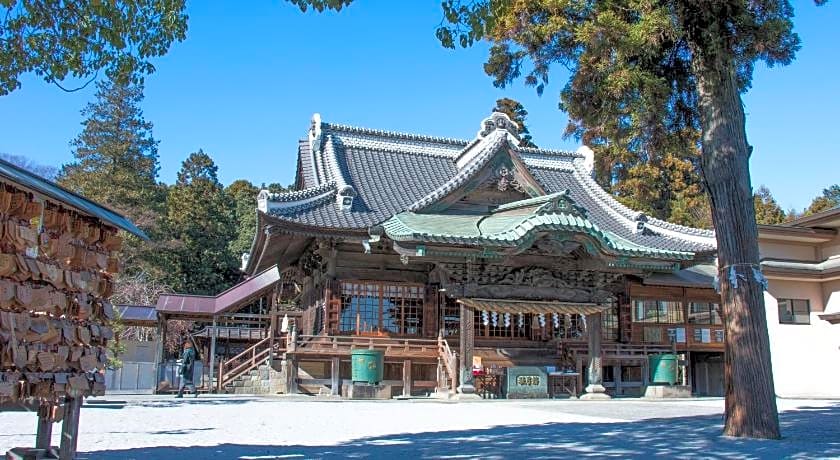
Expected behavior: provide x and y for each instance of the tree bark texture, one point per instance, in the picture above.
(748, 377)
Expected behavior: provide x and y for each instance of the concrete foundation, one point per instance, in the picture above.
(366, 391)
(667, 391)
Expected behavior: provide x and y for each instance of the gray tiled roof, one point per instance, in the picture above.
(396, 172)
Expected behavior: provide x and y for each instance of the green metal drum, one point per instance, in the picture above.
(367, 366)
(663, 368)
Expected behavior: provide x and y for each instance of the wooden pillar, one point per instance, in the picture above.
(70, 427)
(467, 343)
(160, 352)
(594, 372)
(617, 379)
(406, 375)
(43, 437)
(214, 333)
(335, 375)
(291, 375)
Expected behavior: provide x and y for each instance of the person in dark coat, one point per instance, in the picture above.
(186, 370)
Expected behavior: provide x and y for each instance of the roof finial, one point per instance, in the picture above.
(498, 120)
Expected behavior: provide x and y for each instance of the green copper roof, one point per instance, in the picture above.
(516, 225)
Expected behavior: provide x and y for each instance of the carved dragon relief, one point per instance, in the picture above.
(500, 281)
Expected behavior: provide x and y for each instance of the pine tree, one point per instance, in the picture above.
(767, 211)
(829, 199)
(517, 113)
(199, 225)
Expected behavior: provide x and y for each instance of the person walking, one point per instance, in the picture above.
(186, 370)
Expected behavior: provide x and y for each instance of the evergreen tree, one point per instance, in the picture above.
(116, 157)
(243, 195)
(767, 211)
(829, 199)
(517, 113)
(116, 164)
(200, 226)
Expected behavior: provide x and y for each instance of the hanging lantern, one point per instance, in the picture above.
(485, 318)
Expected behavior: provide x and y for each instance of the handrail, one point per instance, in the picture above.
(450, 361)
(229, 371)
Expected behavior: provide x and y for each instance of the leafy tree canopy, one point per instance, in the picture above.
(767, 211)
(77, 38)
(199, 226)
(829, 199)
(243, 195)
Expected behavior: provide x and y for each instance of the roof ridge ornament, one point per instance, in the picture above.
(498, 120)
(315, 133)
(588, 159)
(562, 203)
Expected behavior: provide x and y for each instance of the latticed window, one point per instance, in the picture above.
(609, 324)
(378, 307)
(704, 313)
(658, 311)
(450, 316)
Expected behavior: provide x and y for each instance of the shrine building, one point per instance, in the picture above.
(464, 259)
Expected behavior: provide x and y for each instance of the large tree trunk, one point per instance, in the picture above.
(750, 394)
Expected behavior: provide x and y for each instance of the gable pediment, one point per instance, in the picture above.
(493, 179)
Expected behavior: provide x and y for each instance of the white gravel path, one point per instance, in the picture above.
(272, 428)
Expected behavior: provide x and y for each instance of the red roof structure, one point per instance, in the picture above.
(195, 305)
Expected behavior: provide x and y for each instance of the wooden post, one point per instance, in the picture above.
(160, 353)
(43, 438)
(406, 377)
(617, 378)
(70, 427)
(466, 344)
(335, 370)
(594, 374)
(213, 335)
(291, 375)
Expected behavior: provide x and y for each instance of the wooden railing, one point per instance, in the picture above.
(342, 344)
(619, 350)
(249, 359)
(692, 336)
(450, 364)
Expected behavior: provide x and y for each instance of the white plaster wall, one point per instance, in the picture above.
(832, 248)
(831, 294)
(806, 358)
(787, 251)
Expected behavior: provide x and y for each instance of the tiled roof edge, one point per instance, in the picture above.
(591, 186)
(296, 195)
(392, 134)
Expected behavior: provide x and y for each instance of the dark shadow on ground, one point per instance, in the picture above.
(808, 433)
(188, 400)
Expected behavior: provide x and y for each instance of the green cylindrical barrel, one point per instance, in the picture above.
(367, 365)
(663, 368)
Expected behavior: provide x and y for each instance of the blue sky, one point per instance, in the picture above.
(245, 83)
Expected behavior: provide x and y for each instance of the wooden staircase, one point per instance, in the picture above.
(447, 366)
(250, 359)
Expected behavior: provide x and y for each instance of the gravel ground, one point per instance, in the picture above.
(162, 428)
